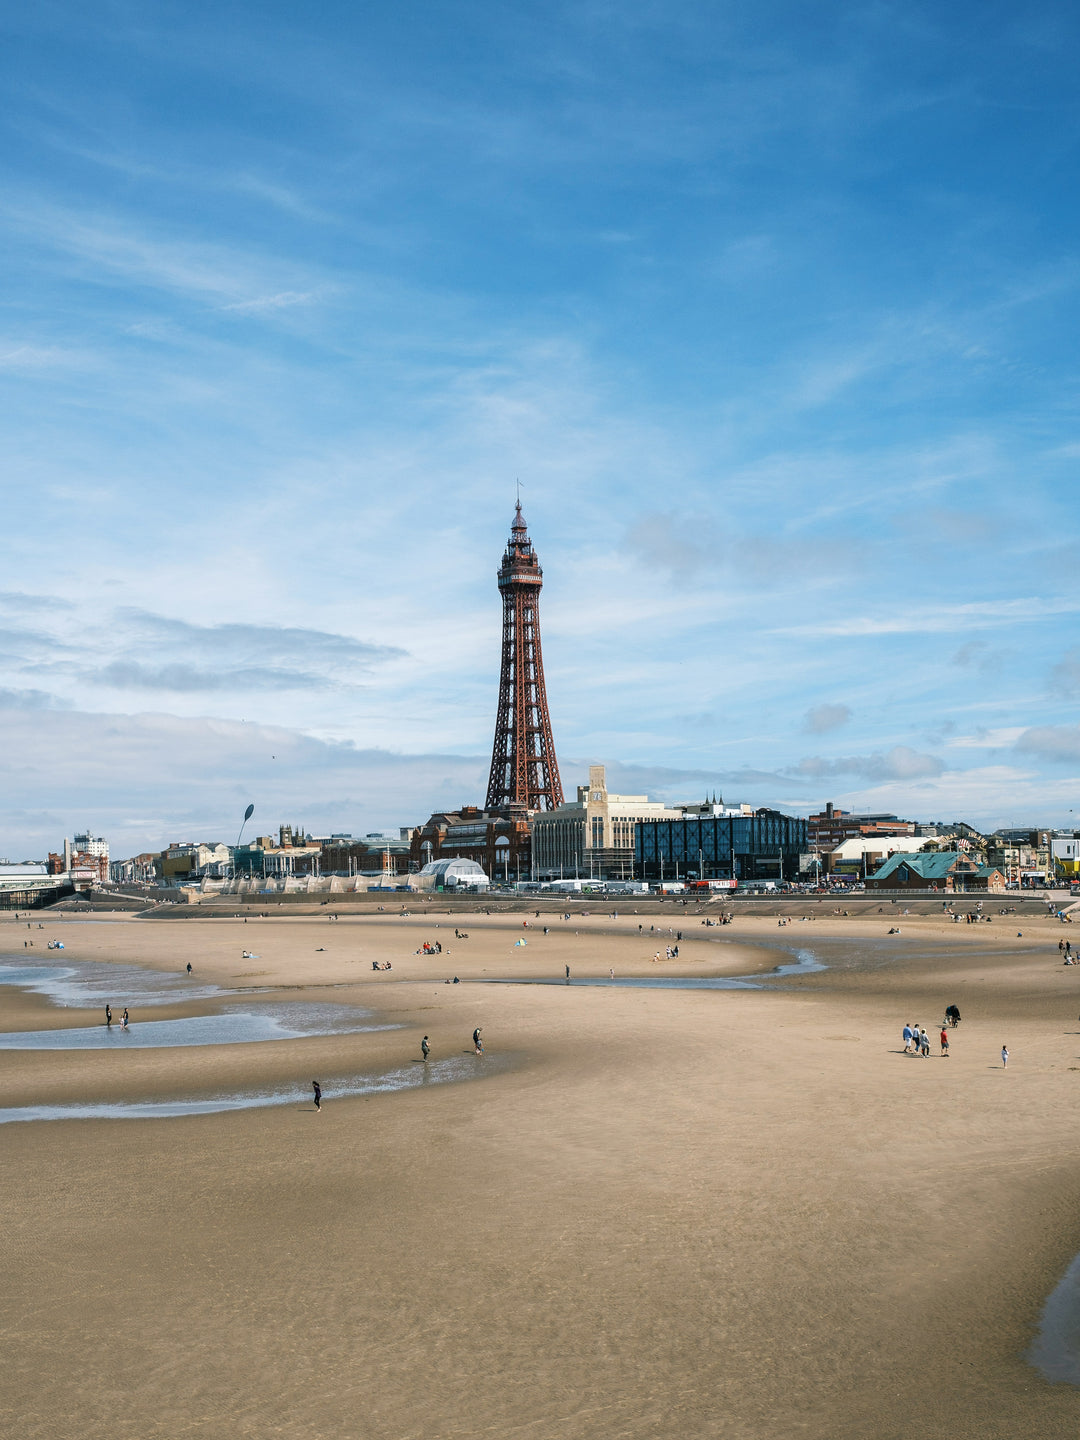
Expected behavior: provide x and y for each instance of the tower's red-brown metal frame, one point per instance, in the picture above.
(524, 771)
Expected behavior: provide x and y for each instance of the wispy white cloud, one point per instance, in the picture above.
(947, 618)
(15, 356)
(137, 651)
(283, 300)
(115, 249)
(986, 739)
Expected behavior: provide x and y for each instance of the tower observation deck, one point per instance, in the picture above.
(524, 771)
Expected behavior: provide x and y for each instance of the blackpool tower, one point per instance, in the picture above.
(524, 771)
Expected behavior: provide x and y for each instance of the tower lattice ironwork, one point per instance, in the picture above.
(524, 771)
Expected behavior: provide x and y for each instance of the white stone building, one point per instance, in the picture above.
(592, 837)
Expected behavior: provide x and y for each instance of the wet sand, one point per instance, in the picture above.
(739, 1213)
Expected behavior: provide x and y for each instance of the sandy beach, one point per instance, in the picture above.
(663, 1212)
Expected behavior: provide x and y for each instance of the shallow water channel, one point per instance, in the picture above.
(408, 1077)
(230, 1027)
(806, 963)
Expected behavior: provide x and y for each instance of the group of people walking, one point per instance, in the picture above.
(917, 1041)
(123, 1018)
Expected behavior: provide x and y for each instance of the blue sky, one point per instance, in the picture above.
(773, 314)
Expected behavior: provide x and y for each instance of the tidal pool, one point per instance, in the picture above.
(231, 1027)
(409, 1077)
(90, 984)
(1056, 1350)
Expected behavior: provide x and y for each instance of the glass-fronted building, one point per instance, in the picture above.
(762, 846)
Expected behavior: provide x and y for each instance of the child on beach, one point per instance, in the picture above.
(944, 1042)
(1004, 1057)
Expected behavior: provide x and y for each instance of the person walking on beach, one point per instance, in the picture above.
(478, 1044)
(108, 1016)
(924, 1045)
(425, 1047)
(944, 1043)
(318, 1094)
(907, 1034)
(568, 972)
(1004, 1057)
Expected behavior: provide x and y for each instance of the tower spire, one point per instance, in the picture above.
(524, 771)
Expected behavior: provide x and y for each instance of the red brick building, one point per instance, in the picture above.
(499, 843)
(832, 827)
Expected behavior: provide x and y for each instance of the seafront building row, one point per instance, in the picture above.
(598, 837)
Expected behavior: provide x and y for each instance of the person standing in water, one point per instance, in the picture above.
(568, 972)
(318, 1094)
(425, 1047)
(108, 1016)
(124, 1021)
